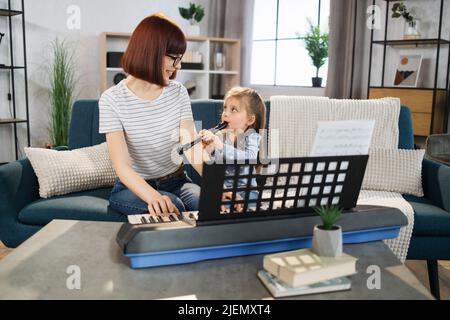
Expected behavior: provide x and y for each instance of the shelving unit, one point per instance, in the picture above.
(11, 68)
(429, 105)
(117, 41)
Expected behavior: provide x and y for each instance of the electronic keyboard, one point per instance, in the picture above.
(282, 217)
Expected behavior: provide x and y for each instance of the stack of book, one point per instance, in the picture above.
(301, 272)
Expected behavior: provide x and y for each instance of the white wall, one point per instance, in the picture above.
(46, 20)
(268, 91)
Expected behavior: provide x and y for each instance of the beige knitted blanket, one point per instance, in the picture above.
(295, 119)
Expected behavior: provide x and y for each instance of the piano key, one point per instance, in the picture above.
(132, 219)
(152, 219)
(172, 218)
(165, 218)
(159, 219)
(143, 219)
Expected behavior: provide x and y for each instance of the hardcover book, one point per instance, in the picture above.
(303, 267)
(278, 288)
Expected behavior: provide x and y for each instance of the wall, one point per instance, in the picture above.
(268, 91)
(46, 20)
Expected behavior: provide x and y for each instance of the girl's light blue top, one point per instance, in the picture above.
(247, 148)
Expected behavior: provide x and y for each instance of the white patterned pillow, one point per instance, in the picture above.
(62, 172)
(395, 170)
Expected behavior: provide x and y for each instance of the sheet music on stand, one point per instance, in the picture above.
(342, 138)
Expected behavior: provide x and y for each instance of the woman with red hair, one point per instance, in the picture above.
(144, 117)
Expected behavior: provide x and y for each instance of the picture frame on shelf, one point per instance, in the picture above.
(408, 70)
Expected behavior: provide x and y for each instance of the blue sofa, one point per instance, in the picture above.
(23, 212)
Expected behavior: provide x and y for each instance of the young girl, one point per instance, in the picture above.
(245, 112)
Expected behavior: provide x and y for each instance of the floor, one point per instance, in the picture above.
(4, 250)
(419, 268)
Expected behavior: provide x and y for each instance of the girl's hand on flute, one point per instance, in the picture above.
(209, 138)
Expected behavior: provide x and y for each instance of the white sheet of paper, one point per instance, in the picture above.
(341, 138)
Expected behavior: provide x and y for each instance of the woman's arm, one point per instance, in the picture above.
(120, 158)
(195, 155)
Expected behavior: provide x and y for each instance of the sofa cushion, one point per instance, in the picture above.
(85, 205)
(63, 172)
(429, 220)
(83, 131)
(395, 171)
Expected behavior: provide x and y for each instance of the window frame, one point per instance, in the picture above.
(276, 39)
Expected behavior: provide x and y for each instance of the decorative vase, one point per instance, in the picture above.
(193, 29)
(412, 30)
(327, 243)
(317, 82)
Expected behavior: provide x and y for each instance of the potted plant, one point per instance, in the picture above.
(194, 14)
(62, 90)
(316, 44)
(327, 238)
(411, 24)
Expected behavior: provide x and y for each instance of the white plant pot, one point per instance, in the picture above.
(327, 243)
(193, 30)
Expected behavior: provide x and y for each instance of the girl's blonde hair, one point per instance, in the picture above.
(254, 104)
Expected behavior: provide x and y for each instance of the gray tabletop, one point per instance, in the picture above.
(40, 269)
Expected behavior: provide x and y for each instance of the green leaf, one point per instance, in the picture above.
(329, 215)
(199, 14)
(62, 85)
(184, 13)
(193, 12)
(316, 44)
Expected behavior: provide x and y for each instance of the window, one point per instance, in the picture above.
(279, 57)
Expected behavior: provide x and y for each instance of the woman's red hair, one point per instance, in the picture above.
(153, 38)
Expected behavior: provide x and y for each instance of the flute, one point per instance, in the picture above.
(189, 145)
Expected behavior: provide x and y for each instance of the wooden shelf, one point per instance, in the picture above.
(11, 120)
(404, 88)
(192, 71)
(223, 72)
(117, 41)
(411, 42)
(420, 102)
(230, 72)
(9, 13)
(11, 67)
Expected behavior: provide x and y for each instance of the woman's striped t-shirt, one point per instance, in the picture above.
(151, 127)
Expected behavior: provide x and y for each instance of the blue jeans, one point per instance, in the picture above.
(183, 193)
(253, 195)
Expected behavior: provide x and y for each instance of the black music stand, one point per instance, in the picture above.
(290, 186)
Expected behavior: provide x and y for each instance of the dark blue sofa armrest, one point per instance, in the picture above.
(436, 183)
(61, 148)
(18, 188)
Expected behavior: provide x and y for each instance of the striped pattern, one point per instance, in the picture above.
(151, 127)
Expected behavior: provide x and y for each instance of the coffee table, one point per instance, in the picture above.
(38, 269)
